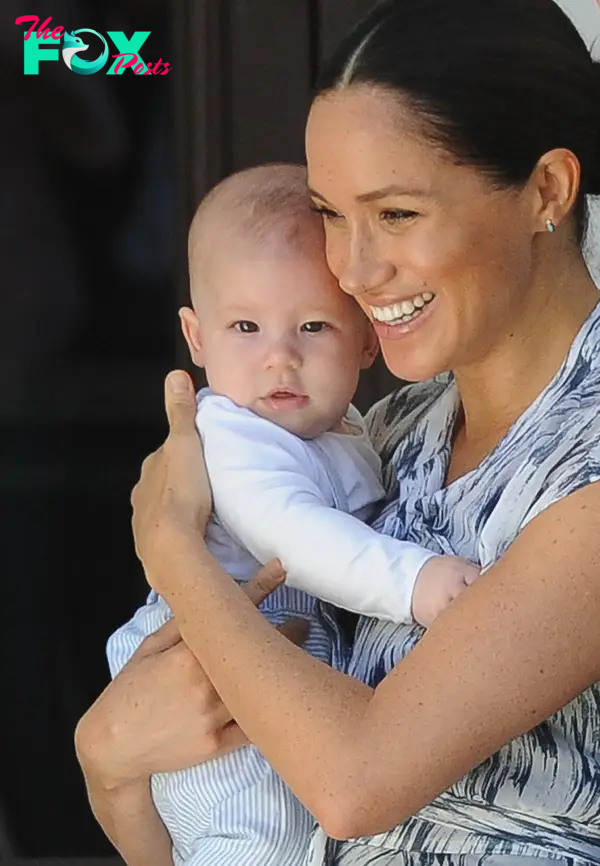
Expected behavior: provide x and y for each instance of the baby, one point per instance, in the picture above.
(293, 475)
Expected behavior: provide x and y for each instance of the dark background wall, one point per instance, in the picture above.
(99, 176)
(87, 229)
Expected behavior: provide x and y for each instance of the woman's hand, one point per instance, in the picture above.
(161, 713)
(173, 494)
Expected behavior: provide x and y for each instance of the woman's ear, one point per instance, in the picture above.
(190, 327)
(370, 348)
(555, 182)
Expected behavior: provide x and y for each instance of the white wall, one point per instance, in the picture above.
(586, 16)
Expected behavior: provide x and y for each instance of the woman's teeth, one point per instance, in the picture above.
(404, 311)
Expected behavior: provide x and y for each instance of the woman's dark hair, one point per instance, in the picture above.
(497, 82)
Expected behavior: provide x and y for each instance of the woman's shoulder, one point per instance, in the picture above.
(410, 404)
(564, 454)
(565, 417)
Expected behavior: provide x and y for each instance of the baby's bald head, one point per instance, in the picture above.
(270, 325)
(265, 209)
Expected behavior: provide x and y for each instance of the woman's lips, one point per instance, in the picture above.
(285, 401)
(403, 329)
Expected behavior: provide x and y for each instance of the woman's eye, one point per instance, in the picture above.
(314, 327)
(327, 214)
(245, 327)
(393, 217)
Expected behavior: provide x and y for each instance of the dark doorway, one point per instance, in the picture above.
(100, 176)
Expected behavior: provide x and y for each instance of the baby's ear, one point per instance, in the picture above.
(190, 327)
(370, 348)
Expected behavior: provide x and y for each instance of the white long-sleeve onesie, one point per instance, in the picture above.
(279, 496)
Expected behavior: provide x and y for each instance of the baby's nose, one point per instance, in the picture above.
(284, 354)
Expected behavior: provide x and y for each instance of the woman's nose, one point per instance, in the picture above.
(363, 270)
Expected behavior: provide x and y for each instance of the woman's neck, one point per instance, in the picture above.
(495, 391)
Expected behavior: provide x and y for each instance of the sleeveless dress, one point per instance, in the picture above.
(539, 796)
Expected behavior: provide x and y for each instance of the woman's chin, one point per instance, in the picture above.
(410, 366)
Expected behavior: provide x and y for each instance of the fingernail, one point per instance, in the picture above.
(178, 382)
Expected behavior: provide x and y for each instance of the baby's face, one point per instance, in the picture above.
(279, 337)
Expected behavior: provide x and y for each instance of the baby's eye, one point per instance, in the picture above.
(394, 216)
(314, 327)
(245, 327)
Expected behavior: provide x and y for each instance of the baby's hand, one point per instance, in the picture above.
(440, 581)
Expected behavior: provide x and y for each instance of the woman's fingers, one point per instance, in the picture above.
(180, 403)
(261, 585)
(173, 491)
(162, 639)
(295, 630)
(472, 572)
(264, 582)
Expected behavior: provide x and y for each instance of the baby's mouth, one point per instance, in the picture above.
(285, 398)
(284, 392)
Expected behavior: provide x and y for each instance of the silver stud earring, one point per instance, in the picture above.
(550, 226)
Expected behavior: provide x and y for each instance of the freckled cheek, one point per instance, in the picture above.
(438, 257)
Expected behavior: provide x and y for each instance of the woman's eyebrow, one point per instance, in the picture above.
(393, 189)
(376, 194)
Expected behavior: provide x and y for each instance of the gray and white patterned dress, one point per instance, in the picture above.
(539, 796)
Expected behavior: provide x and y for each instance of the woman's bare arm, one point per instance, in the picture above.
(514, 648)
(520, 644)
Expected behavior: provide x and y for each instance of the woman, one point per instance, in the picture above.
(450, 148)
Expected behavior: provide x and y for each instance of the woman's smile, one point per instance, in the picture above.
(396, 321)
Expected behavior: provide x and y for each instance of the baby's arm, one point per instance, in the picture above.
(267, 497)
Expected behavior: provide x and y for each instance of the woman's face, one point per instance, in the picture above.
(439, 259)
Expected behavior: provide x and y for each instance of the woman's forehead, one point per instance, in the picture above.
(367, 141)
(357, 109)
